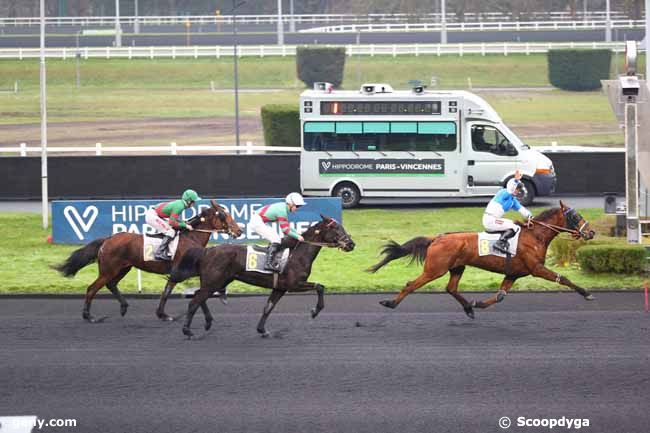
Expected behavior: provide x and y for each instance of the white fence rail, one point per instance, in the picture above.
(479, 26)
(171, 149)
(305, 18)
(502, 48)
(249, 148)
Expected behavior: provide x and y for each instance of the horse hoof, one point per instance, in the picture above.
(123, 309)
(264, 333)
(590, 297)
(166, 317)
(501, 295)
(188, 333)
(469, 311)
(388, 303)
(314, 313)
(208, 325)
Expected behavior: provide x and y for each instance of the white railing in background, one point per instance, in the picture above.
(305, 19)
(174, 149)
(171, 149)
(501, 48)
(479, 26)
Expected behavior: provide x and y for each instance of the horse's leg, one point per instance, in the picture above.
(455, 275)
(160, 312)
(543, 272)
(112, 286)
(91, 291)
(199, 298)
(506, 285)
(270, 304)
(430, 273)
(320, 291)
(207, 314)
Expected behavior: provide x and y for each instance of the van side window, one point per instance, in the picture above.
(486, 138)
(380, 136)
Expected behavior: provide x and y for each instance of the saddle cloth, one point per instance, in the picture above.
(150, 245)
(256, 259)
(486, 243)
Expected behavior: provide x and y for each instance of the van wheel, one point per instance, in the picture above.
(527, 199)
(349, 194)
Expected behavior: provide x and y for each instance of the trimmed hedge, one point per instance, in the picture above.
(281, 123)
(578, 69)
(315, 64)
(613, 258)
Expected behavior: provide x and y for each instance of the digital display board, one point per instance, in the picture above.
(380, 108)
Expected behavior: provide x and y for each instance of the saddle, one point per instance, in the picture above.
(150, 244)
(256, 259)
(487, 239)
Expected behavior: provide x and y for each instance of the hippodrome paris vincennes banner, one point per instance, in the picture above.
(79, 222)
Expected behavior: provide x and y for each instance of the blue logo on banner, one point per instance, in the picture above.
(79, 222)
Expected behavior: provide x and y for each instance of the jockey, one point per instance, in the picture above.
(503, 201)
(276, 212)
(170, 211)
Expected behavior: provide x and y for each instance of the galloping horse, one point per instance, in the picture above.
(453, 251)
(220, 265)
(118, 253)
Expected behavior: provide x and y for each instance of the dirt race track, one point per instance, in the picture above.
(424, 367)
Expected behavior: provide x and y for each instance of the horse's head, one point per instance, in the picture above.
(218, 219)
(574, 221)
(328, 231)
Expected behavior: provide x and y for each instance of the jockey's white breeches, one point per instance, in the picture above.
(258, 226)
(152, 218)
(494, 224)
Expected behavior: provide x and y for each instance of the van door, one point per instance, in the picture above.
(490, 157)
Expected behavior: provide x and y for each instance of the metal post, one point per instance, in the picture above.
(443, 22)
(118, 30)
(44, 195)
(280, 26)
(77, 56)
(236, 72)
(585, 6)
(647, 40)
(632, 173)
(136, 23)
(608, 23)
(292, 20)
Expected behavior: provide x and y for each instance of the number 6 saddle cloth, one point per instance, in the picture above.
(256, 259)
(486, 243)
(150, 244)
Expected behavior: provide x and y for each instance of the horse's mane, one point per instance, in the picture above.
(547, 214)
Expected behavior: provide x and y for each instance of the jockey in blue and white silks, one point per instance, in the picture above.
(504, 200)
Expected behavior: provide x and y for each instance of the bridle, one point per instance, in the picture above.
(222, 230)
(572, 220)
(325, 244)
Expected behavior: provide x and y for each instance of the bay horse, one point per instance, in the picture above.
(451, 252)
(116, 255)
(220, 265)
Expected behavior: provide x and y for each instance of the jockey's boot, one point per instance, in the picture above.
(162, 253)
(271, 263)
(502, 244)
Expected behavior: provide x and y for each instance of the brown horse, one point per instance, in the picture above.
(453, 251)
(219, 266)
(118, 253)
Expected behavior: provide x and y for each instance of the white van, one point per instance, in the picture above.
(381, 143)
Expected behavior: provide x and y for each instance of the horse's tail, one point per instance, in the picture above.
(189, 266)
(416, 248)
(80, 258)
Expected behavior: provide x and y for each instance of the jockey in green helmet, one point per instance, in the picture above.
(166, 218)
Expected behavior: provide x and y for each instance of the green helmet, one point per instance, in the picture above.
(190, 196)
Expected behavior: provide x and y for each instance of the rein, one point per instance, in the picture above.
(321, 244)
(557, 229)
